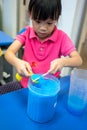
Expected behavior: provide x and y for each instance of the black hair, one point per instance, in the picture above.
(44, 9)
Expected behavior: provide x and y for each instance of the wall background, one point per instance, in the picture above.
(14, 16)
(9, 16)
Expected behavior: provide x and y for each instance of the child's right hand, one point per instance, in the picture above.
(56, 65)
(23, 68)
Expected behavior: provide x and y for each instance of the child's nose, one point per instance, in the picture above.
(43, 27)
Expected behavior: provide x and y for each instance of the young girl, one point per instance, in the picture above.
(43, 43)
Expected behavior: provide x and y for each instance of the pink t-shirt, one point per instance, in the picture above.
(40, 54)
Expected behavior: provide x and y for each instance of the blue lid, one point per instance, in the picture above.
(5, 39)
(47, 85)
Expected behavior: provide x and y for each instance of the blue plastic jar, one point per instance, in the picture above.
(42, 98)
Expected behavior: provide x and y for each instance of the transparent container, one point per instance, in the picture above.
(42, 98)
(77, 99)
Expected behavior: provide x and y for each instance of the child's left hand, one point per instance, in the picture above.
(56, 65)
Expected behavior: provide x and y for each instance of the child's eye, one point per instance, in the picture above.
(49, 23)
(38, 21)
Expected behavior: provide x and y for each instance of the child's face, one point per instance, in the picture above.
(43, 29)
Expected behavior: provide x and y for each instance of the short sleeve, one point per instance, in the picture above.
(23, 36)
(67, 46)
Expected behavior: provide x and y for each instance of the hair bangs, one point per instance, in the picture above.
(41, 10)
(44, 13)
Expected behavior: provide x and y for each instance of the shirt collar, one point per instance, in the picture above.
(53, 37)
(32, 33)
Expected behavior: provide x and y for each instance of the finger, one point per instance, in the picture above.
(29, 70)
(25, 73)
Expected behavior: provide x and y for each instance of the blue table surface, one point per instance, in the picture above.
(5, 39)
(13, 112)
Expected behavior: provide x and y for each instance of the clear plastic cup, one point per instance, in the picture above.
(77, 98)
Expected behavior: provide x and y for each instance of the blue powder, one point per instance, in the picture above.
(45, 86)
(76, 105)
